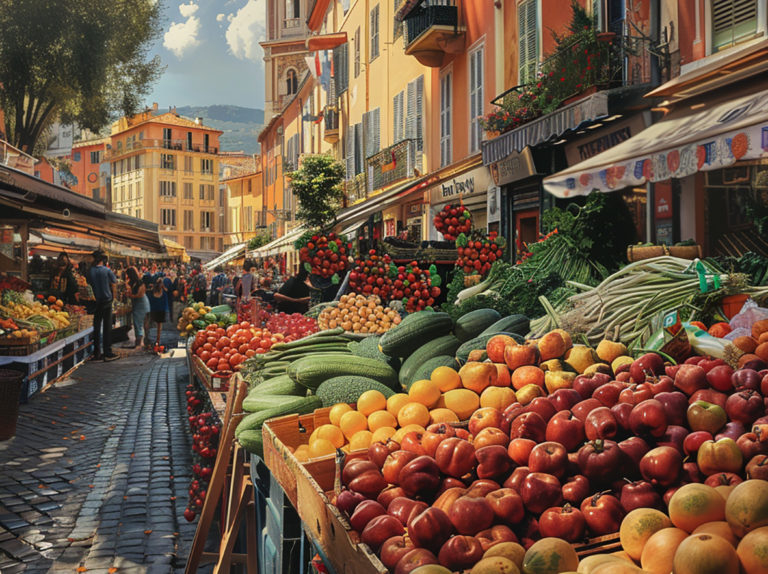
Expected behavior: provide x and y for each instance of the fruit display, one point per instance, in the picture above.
(223, 350)
(477, 253)
(325, 254)
(358, 314)
(199, 316)
(43, 317)
(452, 220)
(292, 325)
(417, 287)
(373, 274)
(205, 427)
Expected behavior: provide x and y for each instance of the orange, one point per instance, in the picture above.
(425, 392)
(478, 376)
(379, 419)
(497, 397)
(321, 447)
(302, 453)
(382, 434)
(401, 432)
(360, 440)
(527, 375)
(336, 411)
(396, 401)
(329, 432)
(463, 402)
(413, 414)
(446, 378)
(371, 401)
(352, 422)
(442, 415)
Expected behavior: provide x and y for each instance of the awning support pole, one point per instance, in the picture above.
(24, 232)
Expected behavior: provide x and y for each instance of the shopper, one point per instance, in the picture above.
(158, 307)
(199, 285)
(137, 292)
(218, 283)
(104, 285)
(293, 296)
(63, 283)
(178, 296)
(245, 285)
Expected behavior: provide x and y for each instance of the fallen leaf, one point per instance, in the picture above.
(147, 532)
(112, 570)
(90, 486)
(173, 498)
(82, 569)
(82, 437)
(64, 408)
(40, 486)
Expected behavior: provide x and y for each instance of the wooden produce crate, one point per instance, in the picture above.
(18, 346)
(308, 486)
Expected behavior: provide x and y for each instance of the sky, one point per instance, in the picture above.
(211, 52)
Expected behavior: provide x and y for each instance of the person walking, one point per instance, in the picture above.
(178, 296)
(137, 292)
(199, 285)
(218, 283)
(158, 307)
(104, 285)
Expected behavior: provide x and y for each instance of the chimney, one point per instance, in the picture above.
(154, 106)
(199, 121)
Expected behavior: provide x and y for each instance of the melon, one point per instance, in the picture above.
(550, 556)
(747, 507)
(694, 504)
(753, 551)
(705, 554)
(721, 528)
(659, 551)
(638, 526)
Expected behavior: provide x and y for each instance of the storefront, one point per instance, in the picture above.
(469, 188)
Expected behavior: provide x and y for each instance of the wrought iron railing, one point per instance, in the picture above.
(394, 163)
(422, 19)
(175, 145)
(331, 118)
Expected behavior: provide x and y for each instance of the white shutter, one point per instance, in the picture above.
(410, 114)
(398, 109)
(476, 97)
(446, 87)
(420, 113)
(367, 133)
(359, 142)
(527, 33)
(350, 141)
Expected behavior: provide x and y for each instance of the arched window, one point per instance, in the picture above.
(291, 82)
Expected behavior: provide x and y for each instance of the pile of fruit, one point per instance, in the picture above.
(477, 253)
(46, 317)
(358, 314)
(453, 220)
(199, 316)
(224, 350)
(417, 287)
(205, 428)
(292, 325)
(372, 275)
(326, 255)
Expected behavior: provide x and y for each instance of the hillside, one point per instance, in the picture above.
(240, 125)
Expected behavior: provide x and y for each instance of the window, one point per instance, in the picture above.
(206, 166)
(206, 141)
(95, 157)
(166, 161)
(137, 161)
(354, 152)
(291, 82)
(188, 190)
(206, 221)
(206, 192)
(130, 191)
(293, 8)
(732, 20)
(96, 193)
(528, 52)
(189, 216)
(221, 243)
(357, 52)
(248, 218)
(138, 214)
(189, 142)
(168, 217)
(207, 243)
(446, 101)
(341, 68)
(414, 117)
(167, 138)
(398, 117)
(122, 193)
(475, 97)
(372, 130)
(189, 164)
(374, 33)
(189, 242)
(167, 189)
(76, 156)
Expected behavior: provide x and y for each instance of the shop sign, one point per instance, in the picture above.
(662, 200)
(603, 138)
(390, 227)
(467, 186)
(494, 204)
(514, 167)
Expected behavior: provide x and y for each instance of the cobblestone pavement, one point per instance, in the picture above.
(96, 478)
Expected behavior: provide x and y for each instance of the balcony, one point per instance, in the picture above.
(393, 164)
(176, 145)
(292, 26)
(432, 32)
(331, 131)
(356, 189)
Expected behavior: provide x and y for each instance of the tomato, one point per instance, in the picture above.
(208, 347)
(212, 363)
(265, 344)
(243, 348)
(250, 353)
(205, 356)
(236, 359)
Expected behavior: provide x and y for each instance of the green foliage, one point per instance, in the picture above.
(80, 62)
(261, 239)
(318, 187)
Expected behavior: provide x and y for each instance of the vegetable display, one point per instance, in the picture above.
(453, 220)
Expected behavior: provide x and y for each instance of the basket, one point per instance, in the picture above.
(10, 388)
(470, 280)
(732, 304)
(685, 251)
(85, 322)
(640, 252)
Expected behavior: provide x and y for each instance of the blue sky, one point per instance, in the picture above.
(211, 53)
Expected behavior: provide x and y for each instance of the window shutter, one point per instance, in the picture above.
(367, 133)
(420, 113)
(528, 57)
(376, 130)
(397, 113)
(410, 114)
(731, 20)
(350, 152)
(359, 142)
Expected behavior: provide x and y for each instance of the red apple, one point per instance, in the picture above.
(693, 441)
(633, 449)
(746, 379)
(648, 418)
(710, 396)
(674, 437)
(719, 378)
(600, 461)
(621, 412)
(450, 482)
(460, 552)
(394, 549)
(661, 465)
(404, 508)
(634, 395)
(528, 425)
(566, 429)
(494, 535)
(430, 529)
(709, 364)
(548, 457)
(750, 445)
(539, 491)
(564, 522)
(732, 430)
(603, 513)
(640, 494)
(543, 406)
(493, 461)
(380, 529)
(691, 378)
(564, 399)
(347, 501)
(600, 424)
(412, 443)
(363, 476)
(507, 505)
(394, 463)
(647, 365)
(675, 406)
(519, 450)
(608, 394)
(581, 409)
(471, 514)
(434, 435)
(490, 436)
(455, 457)
(364, 513)
(485, 417)
(757, 467)
(690, 473)
(745, 406)
(723, 479)
(379, 451)
(482, 486)
(420, 477)
(662, 384)
(585, 385)
(414, 559)
(389, 494)
(575, 489)
(515, 480)
(447, 498)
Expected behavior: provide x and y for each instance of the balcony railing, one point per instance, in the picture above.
(356, 189)
(423, 19)
(393, 164)
(176, 145)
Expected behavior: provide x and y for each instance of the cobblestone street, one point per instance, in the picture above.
(96, 478)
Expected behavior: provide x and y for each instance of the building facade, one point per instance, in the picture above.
(165, 169)
(85, 165)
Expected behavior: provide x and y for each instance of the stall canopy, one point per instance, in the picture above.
(282, 244)
(700, 137)
(232, 253)
(176, 250)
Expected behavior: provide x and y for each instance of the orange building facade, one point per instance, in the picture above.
(85, 165)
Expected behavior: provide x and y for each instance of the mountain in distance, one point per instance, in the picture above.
(241, 126)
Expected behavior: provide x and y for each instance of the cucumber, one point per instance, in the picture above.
(475, 322)
(480, 342)
(280, 385)
(445, 345)
(252, 441)
(410, 334)
(511, 324)
(255, 402)
(425, 369)
(313, 370)
(254, 421)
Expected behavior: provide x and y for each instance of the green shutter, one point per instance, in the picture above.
(732, 20)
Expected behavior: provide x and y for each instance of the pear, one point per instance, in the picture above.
(608, 351)
(529, 392)
(619, 362)
(580, 357)
(551, 365)
(554, 380)
(597, 368)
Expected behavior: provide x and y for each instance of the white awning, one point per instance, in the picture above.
(232, 253)
(282, 244)
(701, 137)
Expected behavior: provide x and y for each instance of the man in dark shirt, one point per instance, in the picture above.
(104, 285)
(293, 296)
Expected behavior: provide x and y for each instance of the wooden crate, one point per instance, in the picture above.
(308, 486)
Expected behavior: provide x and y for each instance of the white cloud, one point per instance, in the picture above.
(246, 28)
(182, 36)
(221, 17)
(188, 10)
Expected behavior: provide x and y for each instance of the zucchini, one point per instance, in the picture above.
(475, 322)
(255, 402)
(252, 441)
(311, 371)
(511, 324)
(423, 327)
(425, 369)
(280, 385)
(254, 420)
(445, 345)
(480, 342)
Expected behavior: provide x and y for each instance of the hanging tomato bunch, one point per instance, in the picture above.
(417, 287)
(477, 252)
(453, 220)
(372, 275)
(326, 254)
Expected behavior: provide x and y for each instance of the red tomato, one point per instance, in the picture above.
(212, 363)
(243, 348)
(205, 356)
(250, 353)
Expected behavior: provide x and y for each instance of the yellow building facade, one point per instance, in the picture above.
(247, 215)
(165, 169)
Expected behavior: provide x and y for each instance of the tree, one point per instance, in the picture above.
(318, 187)
(260, 239)
(79, 62)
